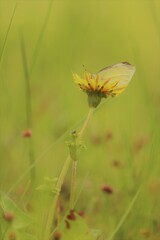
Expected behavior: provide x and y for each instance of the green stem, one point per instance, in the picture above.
(61, 178)
(48, 234)
(68, 160)
(6, 36)
(28, 105)
(49, 222)
(74, 164)
(91, 110)
(63, 172)
(40, 38)
(73, 184)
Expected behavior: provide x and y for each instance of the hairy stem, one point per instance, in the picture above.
(73, 184)
(86, 123)
(74, 164)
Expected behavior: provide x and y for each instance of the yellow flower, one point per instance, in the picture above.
(110, 81)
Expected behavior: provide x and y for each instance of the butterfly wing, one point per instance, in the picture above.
(116, 77)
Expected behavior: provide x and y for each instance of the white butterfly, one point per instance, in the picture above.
(111, 80)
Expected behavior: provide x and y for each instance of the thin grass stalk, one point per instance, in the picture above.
(155, 16)
(4, 45)
(33, 162)
(74, 164)
(28, 106)
(125, 215)
(39, 41)
(73, 184)
(28, 73)
(6, 36)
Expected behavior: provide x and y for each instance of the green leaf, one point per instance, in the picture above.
(20, 219)
(49, 187)
(75, 145)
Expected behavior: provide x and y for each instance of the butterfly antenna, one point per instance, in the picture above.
(85, 69)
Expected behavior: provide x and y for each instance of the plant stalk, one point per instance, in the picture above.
(81, 133)
(73, 184)
(28, 106)
(61, 178)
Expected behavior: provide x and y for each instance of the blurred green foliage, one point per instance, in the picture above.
(123, 138)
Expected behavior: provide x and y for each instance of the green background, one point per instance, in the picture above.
(58, 38)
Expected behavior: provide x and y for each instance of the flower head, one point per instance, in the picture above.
(110, 81)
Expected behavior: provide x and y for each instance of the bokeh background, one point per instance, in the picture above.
(58, 38)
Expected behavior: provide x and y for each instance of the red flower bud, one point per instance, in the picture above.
(8, 216)
(27, 133)
(107, 189)
(71, 216)
(12, 236)
(57, 236)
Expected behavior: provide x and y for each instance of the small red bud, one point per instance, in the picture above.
(81, 213)
(71, 216)
(57, 236)
(107, 189)
(116, 163)
(12, 236)
(140, 143)
(109, 135)
(8, 216)
(27, 133)
(67, 224)
(96, 140)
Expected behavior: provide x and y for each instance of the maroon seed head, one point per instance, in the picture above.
(107, 189)
(8, 216)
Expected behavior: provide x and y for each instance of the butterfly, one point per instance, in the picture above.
(109, 81)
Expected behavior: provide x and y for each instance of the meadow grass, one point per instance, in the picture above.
(41, 44)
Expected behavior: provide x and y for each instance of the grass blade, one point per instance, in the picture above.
(6, 36)
(125, 215)
(28, 105)
(39, 41)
